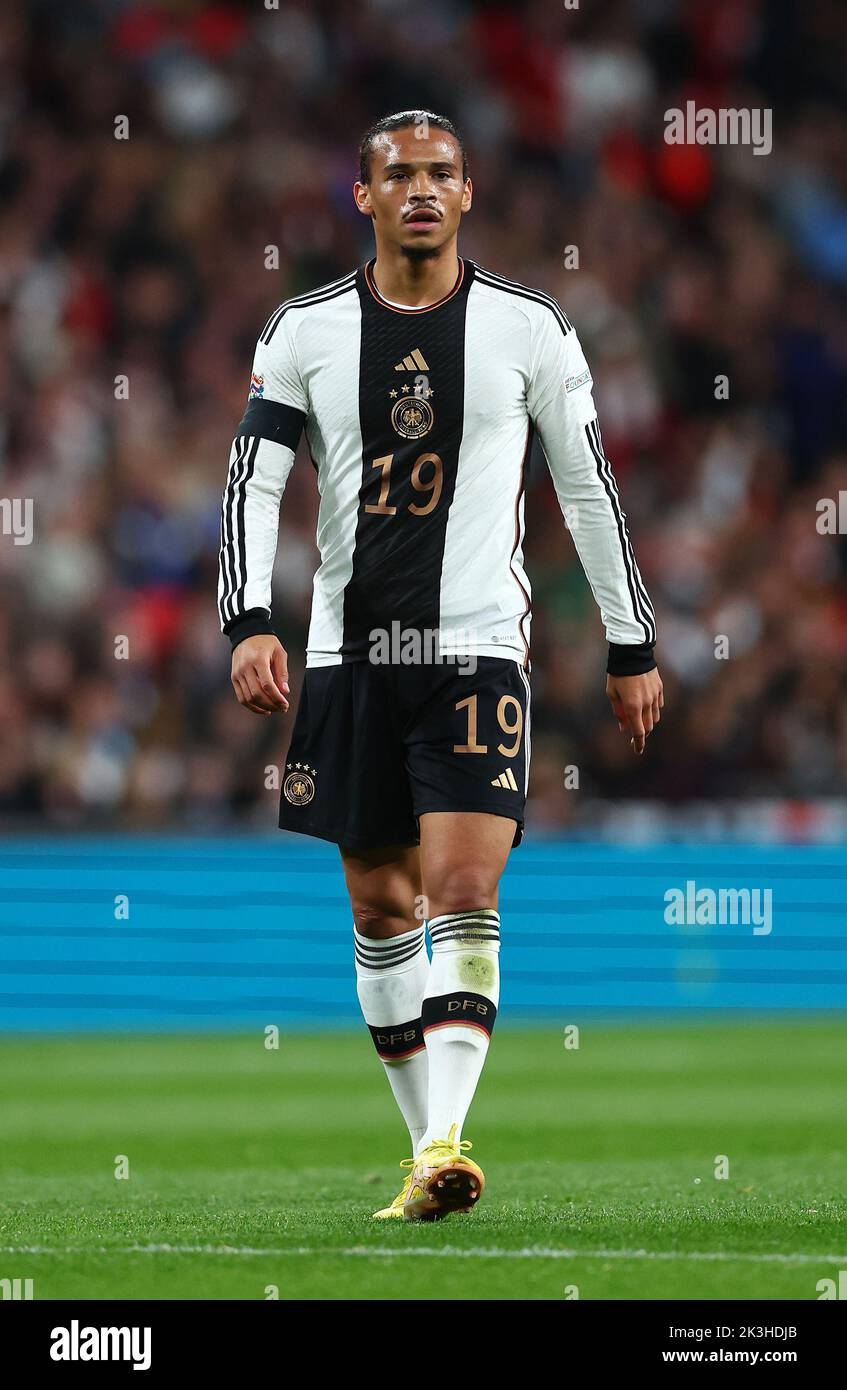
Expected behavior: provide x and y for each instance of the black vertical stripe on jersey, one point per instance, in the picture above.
(239, 553)
(227, 536)
(621, 528)
(397, 560)
(641, 606)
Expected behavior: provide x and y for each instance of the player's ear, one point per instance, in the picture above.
(362, 198)
(467, 196)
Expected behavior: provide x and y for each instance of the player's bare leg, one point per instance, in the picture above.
(392, 968)
(462, 858)
(463, 855)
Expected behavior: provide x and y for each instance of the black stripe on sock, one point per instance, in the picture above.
(389, 945)
(380, 963)
(397, 1041)
(383, 957)
(467, 925)
(472, 1010)
(465, 938)
(445, 918)
(482, 918)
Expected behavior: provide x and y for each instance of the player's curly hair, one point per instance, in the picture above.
(397, 122)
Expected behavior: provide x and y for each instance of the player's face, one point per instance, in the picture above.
(416, 195)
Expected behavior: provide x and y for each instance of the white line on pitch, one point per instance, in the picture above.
(480, 1252)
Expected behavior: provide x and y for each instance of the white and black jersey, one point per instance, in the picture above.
(419, 423)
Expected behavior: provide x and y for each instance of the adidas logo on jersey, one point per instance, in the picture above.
(506, 779)
(415, 362)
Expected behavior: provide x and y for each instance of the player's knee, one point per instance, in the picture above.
(464, 888)
(381, 919)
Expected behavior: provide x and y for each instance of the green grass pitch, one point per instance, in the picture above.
(252, 1170)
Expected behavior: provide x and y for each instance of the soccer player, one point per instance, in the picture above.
(419, 379)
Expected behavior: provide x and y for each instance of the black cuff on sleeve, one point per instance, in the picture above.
(630, 661)
(254, 623)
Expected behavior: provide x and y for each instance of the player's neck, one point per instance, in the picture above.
(412, 282)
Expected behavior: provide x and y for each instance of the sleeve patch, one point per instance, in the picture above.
(573, 383)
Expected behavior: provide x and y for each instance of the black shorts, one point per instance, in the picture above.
(376, 746)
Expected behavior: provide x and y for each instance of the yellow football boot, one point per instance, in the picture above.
(443, 1181)
(396, 1208)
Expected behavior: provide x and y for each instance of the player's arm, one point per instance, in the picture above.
(261, 459)
(561, 406)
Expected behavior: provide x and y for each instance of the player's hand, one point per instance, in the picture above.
(260, 674)
(638, 702)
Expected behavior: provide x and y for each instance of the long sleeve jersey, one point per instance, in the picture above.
(419, 423)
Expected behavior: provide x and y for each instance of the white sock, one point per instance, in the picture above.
(391, 977)
(458, 1013)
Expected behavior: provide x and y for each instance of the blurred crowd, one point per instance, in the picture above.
(710, 296)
